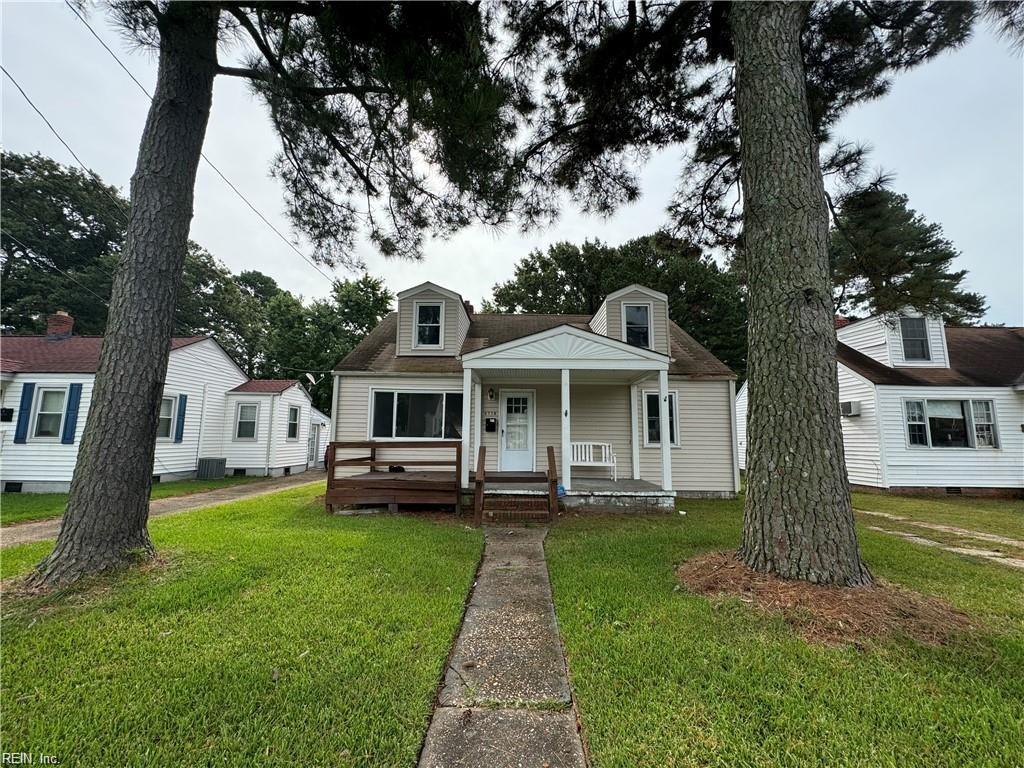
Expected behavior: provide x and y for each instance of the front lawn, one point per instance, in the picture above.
(274, 634)
(665, 678)
(21, 507)
(1003, 517)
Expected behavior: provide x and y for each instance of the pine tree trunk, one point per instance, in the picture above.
(104, 526)
(798, 522)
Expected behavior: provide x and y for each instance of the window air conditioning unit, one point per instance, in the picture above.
(850, 407)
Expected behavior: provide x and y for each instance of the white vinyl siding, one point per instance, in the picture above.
(703, 461)
(40, 460)
(860, 433)
(917, 466)
(869, 336)
(615, 326)
(452, 329)
(285, 452)
(741, 425)
(201, 371)
(935, 336)
(353, 416)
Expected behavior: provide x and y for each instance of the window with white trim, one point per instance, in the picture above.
(637, 320)
(652, 418)
(428, 324)
(984, 418)
(293, 422)
(416, 415)
(49, 412)
(951, 423)
(914, 332)
(166, 419)
(246, 417)
(917, 427)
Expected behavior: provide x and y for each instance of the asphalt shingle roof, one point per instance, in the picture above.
(376, 352)
(978, 357)
(68, 354)
(265, 386)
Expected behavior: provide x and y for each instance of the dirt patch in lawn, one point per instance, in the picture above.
(827, 615)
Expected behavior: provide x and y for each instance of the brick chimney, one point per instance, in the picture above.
(59, 325)
(468, 306)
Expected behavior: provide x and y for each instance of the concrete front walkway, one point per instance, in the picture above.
(41, 530)
(505, 700)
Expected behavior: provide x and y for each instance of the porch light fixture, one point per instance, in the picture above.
(490, 393)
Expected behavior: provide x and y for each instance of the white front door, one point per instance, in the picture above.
(516, 438)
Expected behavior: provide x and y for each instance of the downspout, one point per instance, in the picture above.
(202, 418)
(270, 434)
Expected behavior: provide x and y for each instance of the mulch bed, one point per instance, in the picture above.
(827, 615)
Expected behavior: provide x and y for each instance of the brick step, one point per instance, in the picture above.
(514, 503)
(515, 508)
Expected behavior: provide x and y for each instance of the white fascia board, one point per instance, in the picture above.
(429, 286)
(647, 355)
(634, 288)
(575, 365)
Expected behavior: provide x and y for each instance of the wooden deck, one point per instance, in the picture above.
(426, 486)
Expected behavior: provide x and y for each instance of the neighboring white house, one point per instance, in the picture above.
(210, 409)
(928, 406)
(601, 390)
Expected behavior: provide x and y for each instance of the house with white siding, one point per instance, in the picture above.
(210, 409)
(624, 407)
(926, 406)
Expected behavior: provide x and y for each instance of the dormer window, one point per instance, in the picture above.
(429, 317)
(637, 321)
(914, 331)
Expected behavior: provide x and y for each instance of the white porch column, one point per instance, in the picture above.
(566, 444)
(666, 441)
(477, 414)
(634, 423)
(467, 391)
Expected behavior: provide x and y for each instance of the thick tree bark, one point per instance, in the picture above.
(104, 525)
(798, 522)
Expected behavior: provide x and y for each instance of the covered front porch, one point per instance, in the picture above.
(585, 396)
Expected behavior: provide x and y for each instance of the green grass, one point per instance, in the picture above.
(1004, 517)
(353, 616)
(665, 678)
(21, 507)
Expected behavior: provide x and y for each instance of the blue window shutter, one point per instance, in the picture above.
(179, 428)
(67, 435)
(24, 412)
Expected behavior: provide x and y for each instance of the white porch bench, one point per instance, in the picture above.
(594, 455)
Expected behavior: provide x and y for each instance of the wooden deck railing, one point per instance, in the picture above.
(394, 488)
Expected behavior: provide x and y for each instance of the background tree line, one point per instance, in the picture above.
(884, 257)
(63, 233)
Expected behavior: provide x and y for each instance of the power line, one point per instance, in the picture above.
(209, 162)
(55, 132)
(54, 266)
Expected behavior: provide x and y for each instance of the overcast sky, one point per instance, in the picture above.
(951, 131)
